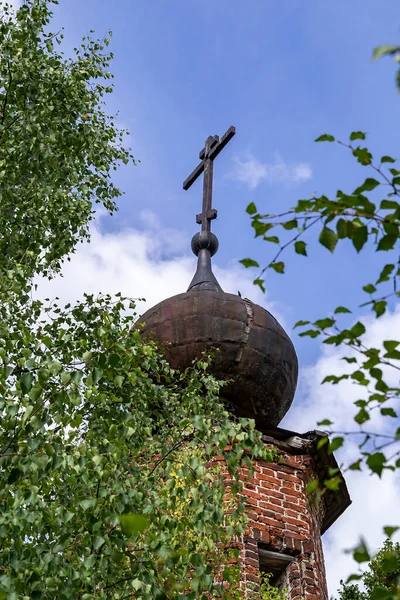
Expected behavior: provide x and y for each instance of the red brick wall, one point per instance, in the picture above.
(282, 519)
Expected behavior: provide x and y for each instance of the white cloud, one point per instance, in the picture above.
(375, 501)
(302, 172)
(152, 263)
(252, 172)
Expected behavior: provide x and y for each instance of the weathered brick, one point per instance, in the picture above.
(281, 518)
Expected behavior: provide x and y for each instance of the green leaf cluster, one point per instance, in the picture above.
(59, 149)
(357, 219)
(270, 592)
(381, 581)
(109, 459)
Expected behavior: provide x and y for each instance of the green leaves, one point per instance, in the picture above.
(368, 185)
(100, 441)
(312, 486)
(268, 591)
(26, 380)
(324, 323)
(249, 262)
(362, 416)
(94, 416)
(335, 444)
(260, 283)
(389, 412)
(360, 553)
(357, 135)
(54, 367)
(384, 50)
(385, 273)
(133, 523)
(390, 347)
(325, 138)
(342, 309)
(379, 307)
(389, 205)
(279, 267)
(369, 288)
(380, 578)
(97, 375)
(328, 238)
(376, 462)
(251, 209)
(289, 225)
(112, 438)
(88, 503)
(387, 242)
(313, 333)
(344, 228)
(353, 215)
(359, 237)
(381, 593)
(389, 531)
(358, 329)
(358, 217)
(300, 248)
(301, 323)
(363, 156)
(260, 227)
(58, 157)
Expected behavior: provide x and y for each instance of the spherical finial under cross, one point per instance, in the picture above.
(205, 240)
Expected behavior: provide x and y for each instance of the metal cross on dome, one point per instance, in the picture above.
(212, 148)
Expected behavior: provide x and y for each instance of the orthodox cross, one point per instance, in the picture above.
(212, 148)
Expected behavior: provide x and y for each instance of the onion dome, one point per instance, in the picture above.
(253, 354)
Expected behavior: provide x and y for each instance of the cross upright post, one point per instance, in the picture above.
(205, 243)
(213, 146)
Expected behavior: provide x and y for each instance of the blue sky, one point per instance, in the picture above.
(282, 73)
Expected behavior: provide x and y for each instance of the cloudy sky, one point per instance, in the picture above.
(282, 73)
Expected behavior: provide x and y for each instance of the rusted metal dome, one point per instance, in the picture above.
(255, 356)
(253, 349)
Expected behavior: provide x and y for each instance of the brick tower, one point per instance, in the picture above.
(259, 362)
(285, 527)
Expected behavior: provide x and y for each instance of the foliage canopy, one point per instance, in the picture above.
(58, 147)
(106, 453)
